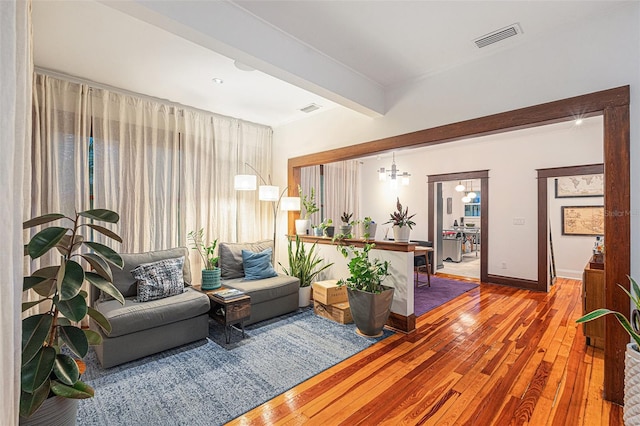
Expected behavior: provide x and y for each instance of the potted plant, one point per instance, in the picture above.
(345, 228)
(327, 228)
(369, 300)
(632, 355)
(303, 265)
(367, 228)
(310, 207)
(402, 223)
(50, 376)
(211, 272)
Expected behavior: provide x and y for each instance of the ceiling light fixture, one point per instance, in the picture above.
(459, 187)
(472, 194)
(217, 80)
(310, 108)
(578, 121)
(393, 173)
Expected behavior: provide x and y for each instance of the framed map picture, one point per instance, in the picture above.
(580, 186)
(583, 220)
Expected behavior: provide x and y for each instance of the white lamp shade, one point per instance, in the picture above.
(382, 174)
(268, 193)
(245, 182)
(459, 187)
(405, 178)
(290, 203)
(466, 199)
(472, 195)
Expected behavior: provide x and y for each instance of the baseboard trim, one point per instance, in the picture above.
(513, 282)
(402, 323)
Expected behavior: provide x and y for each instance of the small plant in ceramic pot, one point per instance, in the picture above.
(402, 223)
(211, 272)
(345, 228)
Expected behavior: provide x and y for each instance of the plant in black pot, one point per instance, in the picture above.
(50, 376)
(632, 355)
(369, 300)
(304, 265)
(211, 272)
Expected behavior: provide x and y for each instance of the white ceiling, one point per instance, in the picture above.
(332, 53)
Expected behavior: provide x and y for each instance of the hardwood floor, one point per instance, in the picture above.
(494, 355)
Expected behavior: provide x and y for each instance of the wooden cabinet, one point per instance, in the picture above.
(593, 298)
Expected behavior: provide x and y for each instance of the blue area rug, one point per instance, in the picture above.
(441, 291)
(209, 382)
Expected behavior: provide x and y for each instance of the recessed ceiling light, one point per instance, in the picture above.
(310, 108)
(217, 80)
(578, 121)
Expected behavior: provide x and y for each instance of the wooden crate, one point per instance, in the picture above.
(328, 292)
(338, 312)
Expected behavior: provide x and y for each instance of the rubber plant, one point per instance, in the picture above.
(303, 264)
(47, 370)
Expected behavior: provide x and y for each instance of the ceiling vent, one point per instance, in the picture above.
(499, 35)
(310, 108)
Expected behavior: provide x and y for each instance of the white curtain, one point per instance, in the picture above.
(310, 178)
(342, 189)
(15, 171)
(136, 168)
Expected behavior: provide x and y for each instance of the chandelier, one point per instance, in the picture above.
(393, 174)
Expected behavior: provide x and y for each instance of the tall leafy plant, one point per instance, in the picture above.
(366, 274)
(308, 202)
(46, 370)
(401, 217)
(206, 251)
(302, 264)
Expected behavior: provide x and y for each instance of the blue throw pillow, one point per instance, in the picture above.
(257, 265)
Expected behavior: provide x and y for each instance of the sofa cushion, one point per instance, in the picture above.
(136, 316)
(157, 280)
(257, 266)
(266, 289)
(230, 254)
(125, 281)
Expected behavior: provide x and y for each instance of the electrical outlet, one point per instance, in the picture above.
(504, 265)
(518, 220)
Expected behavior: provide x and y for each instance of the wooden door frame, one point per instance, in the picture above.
(613, 105)
(483, 176)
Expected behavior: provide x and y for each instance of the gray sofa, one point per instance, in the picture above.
(143, 328)
(270, 297)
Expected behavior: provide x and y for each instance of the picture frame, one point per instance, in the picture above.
(580, 186)
(449, 205)
(583, 220)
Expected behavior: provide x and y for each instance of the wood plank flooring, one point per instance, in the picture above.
(494, 355)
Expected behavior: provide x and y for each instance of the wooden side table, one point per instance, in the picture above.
(228, 312)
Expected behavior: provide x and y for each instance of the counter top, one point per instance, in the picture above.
(380, 244)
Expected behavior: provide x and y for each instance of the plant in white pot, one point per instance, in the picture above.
(402, 223)
(632, 355)
(369, 301)
(309, 204)
(367, 228)
(211, 272)
(50, 376)
(304, 265)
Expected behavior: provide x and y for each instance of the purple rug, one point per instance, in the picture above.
(441, 291)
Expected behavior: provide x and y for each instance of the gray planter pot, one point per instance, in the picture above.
(370, 311)
(329, 231)
(211, 279)
(317, 232)
(345, 229)
(54, 411)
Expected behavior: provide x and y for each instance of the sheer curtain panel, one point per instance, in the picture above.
(15, 173)
(342, 189)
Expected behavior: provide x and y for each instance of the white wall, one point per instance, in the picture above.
(571, 252)
(592, 55)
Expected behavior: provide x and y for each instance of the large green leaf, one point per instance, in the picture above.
(74, 309)
(29, 305)
(103, 215)
(92, 337)
(107, 253)
(66, 369)
(72, 281)
(65, 247)
(105, 231)
(100, 319)
(75, 339)
(46, 272)
(35, 330)
(44, 240)
(46, 288)
(41, 220)
(99, 265)
(105, 286)
(35, 372)
(29, 282)
(79, 390)
(30, 402)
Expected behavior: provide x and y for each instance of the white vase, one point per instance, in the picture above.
(301, 226)
(367, 229)
(304, 296)
(401, 234)
(632, 386)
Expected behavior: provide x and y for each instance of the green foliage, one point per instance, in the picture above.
(206, 252)
(303, 264)
(308, 202)
(45, 370)
(325, 224)
(346, 218)
(632, 330)
(366, 274)
(401, 217)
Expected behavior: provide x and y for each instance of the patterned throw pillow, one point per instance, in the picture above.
(159, 279)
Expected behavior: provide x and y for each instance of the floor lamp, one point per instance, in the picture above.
(267, 192)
